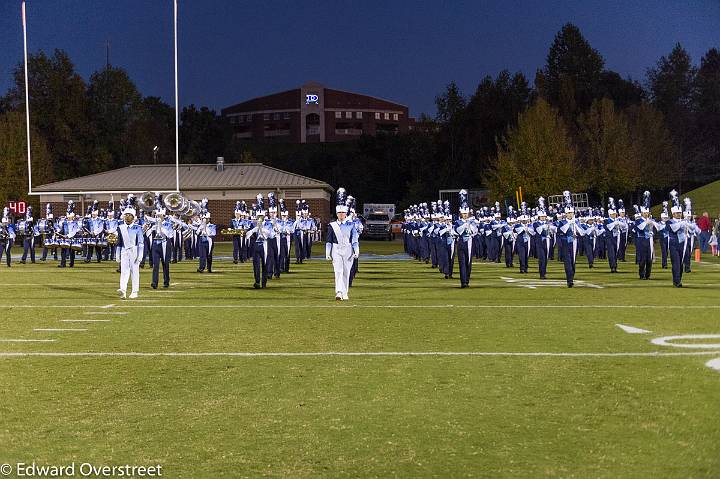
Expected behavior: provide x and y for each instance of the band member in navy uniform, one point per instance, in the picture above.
(285, 227)
(129, 252)
(613, 228)
(352, 216)
(677, 231)
(162, 234)
(643, 236)
(7, 235)
(522, 238)
(206, 232)
(49, 242)
(259, 235)
(692, 232)
(96, 226)
(237, 224)
(465, 229)
(664, 234)
(342, 246)
(273, 247)
(567, 233)
(29, 236)
(540, 231)
(69, 228)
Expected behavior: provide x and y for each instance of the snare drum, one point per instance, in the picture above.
(24, 228)
(76, 244)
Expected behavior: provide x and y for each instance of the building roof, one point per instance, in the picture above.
(192, 177)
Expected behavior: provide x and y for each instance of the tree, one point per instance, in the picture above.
(653, 155)
(450, 108)
(114, 103)
(495, 105)
(59, 112)
(706, 150)
(13, 158)
(622, 92)
(204, 135)
(537, 155)
(153, 125)
(606, 147)
(572, 72)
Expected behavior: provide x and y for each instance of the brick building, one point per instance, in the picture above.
(221, 184)
(313, 114)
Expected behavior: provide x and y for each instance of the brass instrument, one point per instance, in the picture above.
(233, 232)
(112, 239)
(147, 201)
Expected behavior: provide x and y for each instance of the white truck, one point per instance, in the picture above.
(377, 220)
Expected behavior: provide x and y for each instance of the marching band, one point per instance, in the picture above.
(161, 229)
(431, 236)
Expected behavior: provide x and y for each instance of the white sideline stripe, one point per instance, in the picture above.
(714, 364)
(57, 329)
(129, 304)
(86, 320)
(357, 353)
(98, 313)
(26, 340)
(632, 330)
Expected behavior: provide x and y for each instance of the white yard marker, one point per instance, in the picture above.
(632, 330)
(54, 330)
(714, 364)
(26, 340)
(107, 306)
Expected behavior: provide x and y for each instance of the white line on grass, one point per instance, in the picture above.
(117, 313)
(130, 304)
(85, 320)
(358, 353)
(54, 330)
(26, 340)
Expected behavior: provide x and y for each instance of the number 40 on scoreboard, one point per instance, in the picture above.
(17, 207)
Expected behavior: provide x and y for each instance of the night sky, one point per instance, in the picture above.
(406, 51)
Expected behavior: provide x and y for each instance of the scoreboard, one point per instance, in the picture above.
(17, 208)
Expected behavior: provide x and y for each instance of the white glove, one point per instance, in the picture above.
(328, 258)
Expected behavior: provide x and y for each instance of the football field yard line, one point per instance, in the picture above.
(27, 340)
(129, 304)
(289, 354)
(55, 330)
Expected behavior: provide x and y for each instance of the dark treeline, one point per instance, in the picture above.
(577, 125)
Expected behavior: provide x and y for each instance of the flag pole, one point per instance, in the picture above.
(27, 97)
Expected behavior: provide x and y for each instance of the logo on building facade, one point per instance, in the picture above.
(311, 98)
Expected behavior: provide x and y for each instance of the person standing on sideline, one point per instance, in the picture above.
(342, 246)
(705, 226)
(129, 252)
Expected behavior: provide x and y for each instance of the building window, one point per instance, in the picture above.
(395, 116)
(387, 116)
(338, 114)
(248, 118)
(266, 116)
(377, 115)
(358, 115)
(276, 116)
(348, 114)
(286, 115)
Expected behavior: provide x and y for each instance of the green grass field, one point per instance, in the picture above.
(704, 198)
(544, 384)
